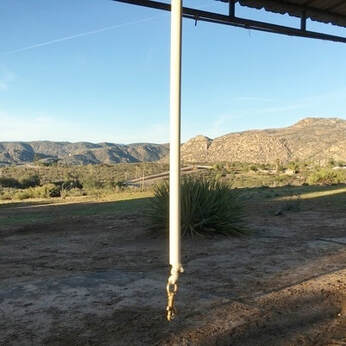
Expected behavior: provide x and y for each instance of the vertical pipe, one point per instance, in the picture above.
(174, 157)
(303, 21)
(231, 8)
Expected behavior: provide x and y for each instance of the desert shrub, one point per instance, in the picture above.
(31, 181)
(75, 192)
(48, 190)
(219, 171)
(91, 183)
(278, 166)
(5, 197)
(326, 176)
(23, 183)
(22, 194)
(294, 166)
(207, 207)
(64, 187)
(6, 194)
(119, 186)
(218, 166)
(45, 191)
(69, 185)
(9, 182)
(331, 162)
(279, 180)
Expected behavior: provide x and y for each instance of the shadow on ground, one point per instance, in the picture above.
(92, 274)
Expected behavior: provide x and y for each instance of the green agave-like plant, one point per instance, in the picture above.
(208, 206)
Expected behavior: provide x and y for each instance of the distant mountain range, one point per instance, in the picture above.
(79, 153)
(317, 139)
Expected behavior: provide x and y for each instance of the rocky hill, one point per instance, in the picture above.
(79, 153)
(317, 139)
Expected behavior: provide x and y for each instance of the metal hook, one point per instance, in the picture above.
(196, 20)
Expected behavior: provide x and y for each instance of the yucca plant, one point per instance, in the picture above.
(208, 206)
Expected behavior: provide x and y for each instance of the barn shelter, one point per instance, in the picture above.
(323, 11)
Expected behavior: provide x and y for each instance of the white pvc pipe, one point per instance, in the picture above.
(174, 157)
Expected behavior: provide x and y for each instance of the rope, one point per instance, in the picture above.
(172, 289)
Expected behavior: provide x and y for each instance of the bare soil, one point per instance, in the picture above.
(100, 280)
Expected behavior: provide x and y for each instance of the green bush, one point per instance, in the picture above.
(24, 183)
(326, 176)
(45, 191)
(207, 207)
(293, 166)
(30, 181)
(9, 182)
(91, 183)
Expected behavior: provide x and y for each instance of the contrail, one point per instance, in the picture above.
(66, 38)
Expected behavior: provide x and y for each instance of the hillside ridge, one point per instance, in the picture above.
(310, 138)
(79, 152)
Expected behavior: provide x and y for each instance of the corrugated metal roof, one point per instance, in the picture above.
(325, 11)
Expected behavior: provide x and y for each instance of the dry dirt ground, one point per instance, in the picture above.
(94, 274)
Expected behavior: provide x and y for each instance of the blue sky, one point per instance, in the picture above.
(98, 70)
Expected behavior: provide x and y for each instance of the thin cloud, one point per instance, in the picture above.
(82, 34)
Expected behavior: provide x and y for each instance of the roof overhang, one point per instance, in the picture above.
(324, 11)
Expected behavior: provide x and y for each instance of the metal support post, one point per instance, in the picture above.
(174, 157)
